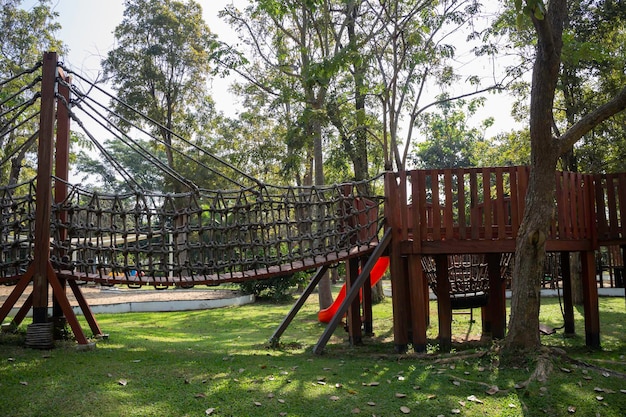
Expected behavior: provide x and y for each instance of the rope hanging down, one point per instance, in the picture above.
(82, 97)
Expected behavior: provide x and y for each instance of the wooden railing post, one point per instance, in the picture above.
(43, 194)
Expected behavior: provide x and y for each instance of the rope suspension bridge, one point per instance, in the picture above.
(142, 237)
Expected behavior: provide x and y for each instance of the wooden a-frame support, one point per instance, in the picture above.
(40, 271)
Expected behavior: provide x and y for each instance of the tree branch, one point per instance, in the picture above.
(591, 120)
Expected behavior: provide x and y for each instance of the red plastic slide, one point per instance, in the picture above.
(324, 316)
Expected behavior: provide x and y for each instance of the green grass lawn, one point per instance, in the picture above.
(216, 362)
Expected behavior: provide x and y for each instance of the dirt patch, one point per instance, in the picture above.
(99, 295)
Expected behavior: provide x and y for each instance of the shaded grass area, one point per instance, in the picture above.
(216, 362)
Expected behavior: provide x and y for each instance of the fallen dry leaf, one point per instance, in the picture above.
(455, 411)
(462, 403)
(598, 389)
(373, 384)
(400, 395)
(258, 404)
(280, 400)
(599, 398)
(270, 395)
(356, 410)
(457, 383)
(571, 409)
(405, 410)
(200, 395)
(371, 403)
(334, 398)
(209, 411)
(566, 370)
(122, 382)
(473, 399)
(23, 383)
(493, 390)
(431, 396)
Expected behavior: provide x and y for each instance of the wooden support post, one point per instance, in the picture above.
(444, 304)
(368, 317)
(568, 304)
(590, 300)
(354, 311)
(275, 339)
(399, 300)
(84, 306)
(497, 297)
(43, 194)
(418, 298)
(17, 292)
(61, 170)
(66, 307)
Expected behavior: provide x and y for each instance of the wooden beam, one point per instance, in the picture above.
(444, 304)
(275, 339)
(590, 300)
(43, 196)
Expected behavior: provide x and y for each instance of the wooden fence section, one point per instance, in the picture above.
(610, 196)
(479, 210)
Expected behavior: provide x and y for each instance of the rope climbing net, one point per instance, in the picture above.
(211, 236)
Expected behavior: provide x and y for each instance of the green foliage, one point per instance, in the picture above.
(276, 288)
(449, 142)
(26, 35)
(159, 67)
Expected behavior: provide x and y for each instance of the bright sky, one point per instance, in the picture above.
(87, 30)
(88, 25)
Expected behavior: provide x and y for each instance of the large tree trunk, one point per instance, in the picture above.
(530, 251)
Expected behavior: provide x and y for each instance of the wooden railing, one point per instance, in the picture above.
(479, 210)
(611, 207)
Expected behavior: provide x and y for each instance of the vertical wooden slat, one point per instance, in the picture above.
(403, 206)
(600, 187)
(448, 217)
(474, 206)
(417, 208)
(434, 178)
(577, 206)
(621, 186)
(500, 204)
(486, 174)
(423, 215)
(612, 205)
(515, 213)
(460, 177)
(524, 173)
(557, 231)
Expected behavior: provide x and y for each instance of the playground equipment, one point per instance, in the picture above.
(56, 234)
(326, 315)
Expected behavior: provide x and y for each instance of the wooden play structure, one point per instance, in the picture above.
(451, 231)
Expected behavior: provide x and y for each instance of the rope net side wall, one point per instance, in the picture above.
(211, 237)
(17, 211)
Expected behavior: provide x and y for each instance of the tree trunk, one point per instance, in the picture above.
(530, 250)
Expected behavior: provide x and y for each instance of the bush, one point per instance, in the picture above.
(275, 289)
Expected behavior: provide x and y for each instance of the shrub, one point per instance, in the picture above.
(276, 288)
